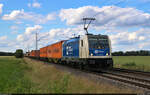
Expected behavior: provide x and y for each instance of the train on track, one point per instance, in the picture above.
(88, 51)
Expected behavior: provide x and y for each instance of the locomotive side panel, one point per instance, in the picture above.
(71, 48)
(84, 47)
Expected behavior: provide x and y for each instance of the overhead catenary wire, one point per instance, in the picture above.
(94, 16)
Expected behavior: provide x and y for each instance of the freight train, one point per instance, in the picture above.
(86, 52)
(89, 51)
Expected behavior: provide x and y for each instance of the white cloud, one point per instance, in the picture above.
(2, 38)
(30, 30)
(132, 36)
(21, 15)
(20, 38)
(16, 14)
(130, 40)
(65, 33)
(51, 16)
(14, 32)
(27, 39)
(143, 45)
(18, 22)
(34, 5)
(14, 27)
(106, 16)
(141, 38)
(29, 4)
(1, 6)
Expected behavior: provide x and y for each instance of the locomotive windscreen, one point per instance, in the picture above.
(98, 45)
(98, 42)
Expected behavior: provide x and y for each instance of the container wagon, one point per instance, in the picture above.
(35, 53)
(54, 52)
(43, 53)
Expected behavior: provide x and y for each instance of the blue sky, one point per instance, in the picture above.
(125, 21)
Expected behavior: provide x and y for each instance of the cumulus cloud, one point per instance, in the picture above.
(30, 30)
(20, 38)
(66, 32)
(51, 16)
(141, 38)
(5, 44)
(34, 5)
(27, 39)
(106, 16)
(121, 40)
(2, 38)
(14, 27)
(16, 14)
(131, 40)
(30, 16)
(1, 6)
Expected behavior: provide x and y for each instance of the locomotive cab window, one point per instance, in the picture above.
(98, 43)
(81, 43)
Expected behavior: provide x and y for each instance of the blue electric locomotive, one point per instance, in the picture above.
(91, 51)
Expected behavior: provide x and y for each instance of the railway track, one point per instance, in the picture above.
(128, 77)
(124, 79)
(134, 78)
(142, 73)
(131, 77)
(138, 82)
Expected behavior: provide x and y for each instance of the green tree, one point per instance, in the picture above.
(19, 53)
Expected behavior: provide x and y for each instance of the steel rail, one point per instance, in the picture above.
(127, 81)
(132, 71)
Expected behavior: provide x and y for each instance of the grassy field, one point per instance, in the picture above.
(12, 79)
(132, 62)
(30, 76)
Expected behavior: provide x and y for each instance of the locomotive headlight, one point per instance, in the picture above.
(91, 54)
(107, 54)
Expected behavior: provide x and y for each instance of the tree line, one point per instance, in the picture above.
(17, 54)
(6, 54)
(132, 53)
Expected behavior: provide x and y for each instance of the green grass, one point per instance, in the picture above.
(132, 62)
(30, 76)
(49, 79)
(12, 79)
